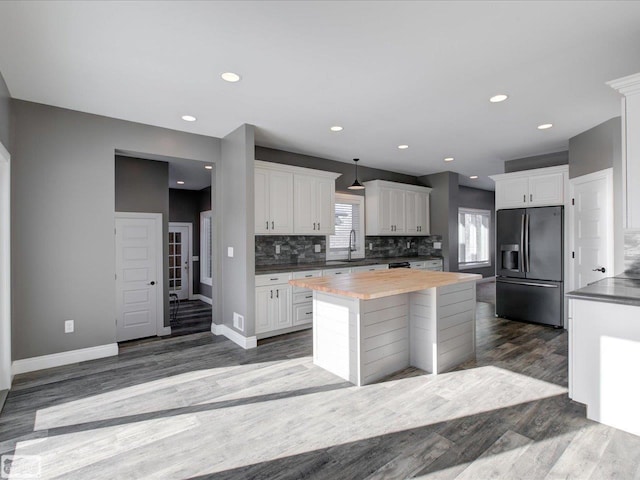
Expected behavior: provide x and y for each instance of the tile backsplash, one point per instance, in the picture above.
(402, 246)
(301, 248)
(293, 249)
(632, 252)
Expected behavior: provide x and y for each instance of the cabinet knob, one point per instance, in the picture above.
(531, 197)
(314, 225)
(272, 224)
(524, 198)
(318, 225)
(267, 224)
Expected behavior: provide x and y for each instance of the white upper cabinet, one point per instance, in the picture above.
(531, 188)
(630, 88)
(293, 200)
(396, 208)
(273, 201)
(314, 204)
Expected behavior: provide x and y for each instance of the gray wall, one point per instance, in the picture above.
(347, 169)
(62, 203)
(598, 148)
(443, 214)
(5, 114)
(483, 200)
(142, 186)
(537, 161)
(595, 149)
(236, 222)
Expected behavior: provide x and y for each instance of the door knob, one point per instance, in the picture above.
(152, 283)
(601, 269)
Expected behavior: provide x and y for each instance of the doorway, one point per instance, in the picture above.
(5, 273)
(180, 259)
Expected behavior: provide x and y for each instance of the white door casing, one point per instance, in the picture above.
(592, 225)
(180, 260)
(139, 279)
(5, 269)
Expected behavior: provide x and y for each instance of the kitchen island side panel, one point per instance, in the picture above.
(423, 349)
(456, 332)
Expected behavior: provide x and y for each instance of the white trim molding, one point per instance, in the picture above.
(5, 268)
(237, 338)
(63, 358)
(202, 298)
(164, 331)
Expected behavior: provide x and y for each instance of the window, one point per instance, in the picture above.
(206, 248)
(349, 216)
(473, 237)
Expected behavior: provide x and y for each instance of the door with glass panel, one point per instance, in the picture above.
(179, 242)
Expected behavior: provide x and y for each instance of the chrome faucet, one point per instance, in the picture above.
(352, 246)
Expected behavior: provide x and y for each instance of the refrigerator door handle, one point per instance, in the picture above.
(525, 255)
(531, 284)
(523, 252)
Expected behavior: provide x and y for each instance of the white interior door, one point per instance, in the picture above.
(179, 260)
(592, 220)
(138, 275)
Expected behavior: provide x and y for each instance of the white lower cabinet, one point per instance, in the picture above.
(273, 308)
(432, 265)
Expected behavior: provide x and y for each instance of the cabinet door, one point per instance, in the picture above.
(263, 309)
(282, 308)
(281, 202)
(546, 190)
(304, 188)
(325, 205)
(422, 213)
(512, 193)
(412, 203)
(385, 211)
(398, 211)
(261, 194)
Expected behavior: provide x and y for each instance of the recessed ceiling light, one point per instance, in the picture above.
(208, 167)
(498, 98)
(473, 177)
(448, 159)
(180, 182)
(230, 77)
(336, 128)
(544, 126)
(403, 147)
(189, 118)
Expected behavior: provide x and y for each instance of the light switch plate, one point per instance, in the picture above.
(317, 248)
(437, 244)
(277, 249)
(371, 246)
(69, 326)
(230, 252)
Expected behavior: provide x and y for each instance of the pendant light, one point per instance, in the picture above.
(356, 185)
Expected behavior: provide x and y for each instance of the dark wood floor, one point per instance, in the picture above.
(193, 316)
(198, 406)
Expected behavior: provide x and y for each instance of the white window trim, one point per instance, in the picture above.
(472, 265)
(205, 257)
(360, 240)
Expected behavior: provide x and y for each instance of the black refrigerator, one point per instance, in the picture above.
(529, 273)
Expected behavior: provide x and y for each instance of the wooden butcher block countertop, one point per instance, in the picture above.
(383, 283)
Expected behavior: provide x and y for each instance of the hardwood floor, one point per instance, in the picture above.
(194, 316)
(198, 406)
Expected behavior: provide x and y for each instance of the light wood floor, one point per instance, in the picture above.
(199, 407)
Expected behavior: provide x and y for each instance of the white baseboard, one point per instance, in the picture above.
(63, 358)
(202, 298)
(486, 279)
(164, 331)
(237, 338)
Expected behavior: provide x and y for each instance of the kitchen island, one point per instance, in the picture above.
(371, 324)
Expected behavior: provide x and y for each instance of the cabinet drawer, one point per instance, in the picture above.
(274, 279)
(303, 314)
(307, 274)
(435, 265)
(304, 296)
(370, 268)
(418, 265)
(336, 271)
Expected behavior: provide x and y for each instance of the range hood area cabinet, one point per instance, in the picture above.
(396, 208)
(541, 187)
(630, 87)
(293, 200)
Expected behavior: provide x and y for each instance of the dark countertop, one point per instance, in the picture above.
(297, 267)
(622, 289)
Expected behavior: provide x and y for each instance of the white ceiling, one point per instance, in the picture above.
(418, 73)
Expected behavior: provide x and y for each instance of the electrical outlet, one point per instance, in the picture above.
(69, 326)
(317, 248)
(371, 246)
(408, 244)
(437, 244)
(277, 249)
(238, 321)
